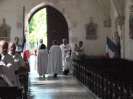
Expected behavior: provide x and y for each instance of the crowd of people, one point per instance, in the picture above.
(13, 68)
(53, 61)
(58, 59)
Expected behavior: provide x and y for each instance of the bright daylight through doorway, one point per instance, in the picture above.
(37, 31)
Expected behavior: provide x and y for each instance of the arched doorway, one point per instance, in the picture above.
(57, 27)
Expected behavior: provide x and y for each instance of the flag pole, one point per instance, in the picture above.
(24, 39)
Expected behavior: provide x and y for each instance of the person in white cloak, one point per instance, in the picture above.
(55, 59)
(65, 49)
(42, 60)
(7, 63)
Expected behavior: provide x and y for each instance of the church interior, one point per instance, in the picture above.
(102, 69)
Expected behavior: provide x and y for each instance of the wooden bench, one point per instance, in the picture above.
(107, 78)
(9, 93)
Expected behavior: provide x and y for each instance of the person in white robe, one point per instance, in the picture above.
(7, 63)
(55, 59)
(65, 49)
(68, 64)
(42, 61)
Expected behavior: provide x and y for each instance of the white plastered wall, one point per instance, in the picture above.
(128, 41)
(77, 14)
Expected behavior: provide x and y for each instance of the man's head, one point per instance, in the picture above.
(12, 48)
(80, 43)
(41, 41)
(3, 47)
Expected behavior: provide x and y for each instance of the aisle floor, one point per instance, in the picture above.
(63, 87)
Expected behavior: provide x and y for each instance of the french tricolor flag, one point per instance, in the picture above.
(111, 48)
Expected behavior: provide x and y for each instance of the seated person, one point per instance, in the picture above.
(7, 63)
(18, 60)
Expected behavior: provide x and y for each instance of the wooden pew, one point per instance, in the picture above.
(107, 78)
(7, 91)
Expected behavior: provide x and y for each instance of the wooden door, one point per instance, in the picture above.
(57, 26)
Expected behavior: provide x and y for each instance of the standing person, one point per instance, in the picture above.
(118, 45)
(18, 45)
(75, 51)
(65, 49)
(42, 60)
(41, 43)
(68, 65)
(55, 59)
(80, 48)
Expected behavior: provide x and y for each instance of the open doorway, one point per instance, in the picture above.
(46, 23)
(37, 29)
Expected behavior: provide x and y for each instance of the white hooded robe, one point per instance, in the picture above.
(42, 61)
(55, 60)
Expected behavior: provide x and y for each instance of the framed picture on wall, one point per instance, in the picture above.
(5, 30)
(91, 30)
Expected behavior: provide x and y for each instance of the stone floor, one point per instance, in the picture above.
(63, 87)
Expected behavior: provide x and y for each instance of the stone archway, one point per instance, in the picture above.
(57, 24)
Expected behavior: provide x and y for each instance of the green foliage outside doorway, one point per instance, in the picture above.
(37, 29)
